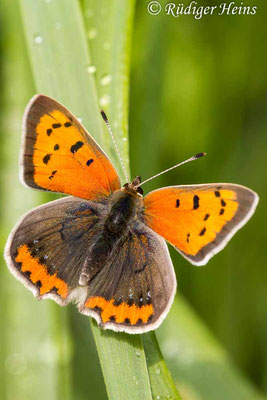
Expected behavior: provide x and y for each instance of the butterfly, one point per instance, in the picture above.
(103, 246)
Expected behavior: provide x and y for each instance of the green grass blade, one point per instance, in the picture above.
(51, 47)
(110, 47)
(123, 363)
(162, 384)
(109, 31)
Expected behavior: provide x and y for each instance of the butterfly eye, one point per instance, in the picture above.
(139, 190)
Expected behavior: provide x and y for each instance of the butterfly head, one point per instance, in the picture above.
(134, 186)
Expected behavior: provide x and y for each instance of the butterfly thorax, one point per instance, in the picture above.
(125, 206)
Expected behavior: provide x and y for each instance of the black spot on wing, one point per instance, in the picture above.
(217, 193)
(67, 124)
(117, 302)
(202, 232)
(177, 203)
(195, 202)
(97, 309)
(46, 158)
(130, 302)
(141, 302)
(55, 126)
(223, 203)
(56, 147)
(75, 147)
(206, 217)
(221, 211)
(27, 274)
(52, 174)
(49, 131)
(187, 237)
(89, 162)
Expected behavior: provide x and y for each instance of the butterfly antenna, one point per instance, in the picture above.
(175, 166)
(105, 118)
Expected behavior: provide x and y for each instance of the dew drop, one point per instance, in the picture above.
(38, 39)
(105, 79)
(158, 371)
(138, 354)
(104, 100)
(124, 139)
(92, 33)
(91, 69)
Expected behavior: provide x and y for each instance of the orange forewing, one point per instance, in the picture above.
(199, 220)
(59, 155)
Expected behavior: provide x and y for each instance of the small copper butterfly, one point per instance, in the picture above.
(104, 248)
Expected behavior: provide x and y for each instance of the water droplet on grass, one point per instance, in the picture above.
(105, 79)
(104, 100)
(91, 69)
(38, 39)
(92, 33)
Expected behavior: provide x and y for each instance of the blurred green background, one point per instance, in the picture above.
(195, 85)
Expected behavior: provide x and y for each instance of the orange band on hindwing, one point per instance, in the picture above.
(120, 313)
(39, 274)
